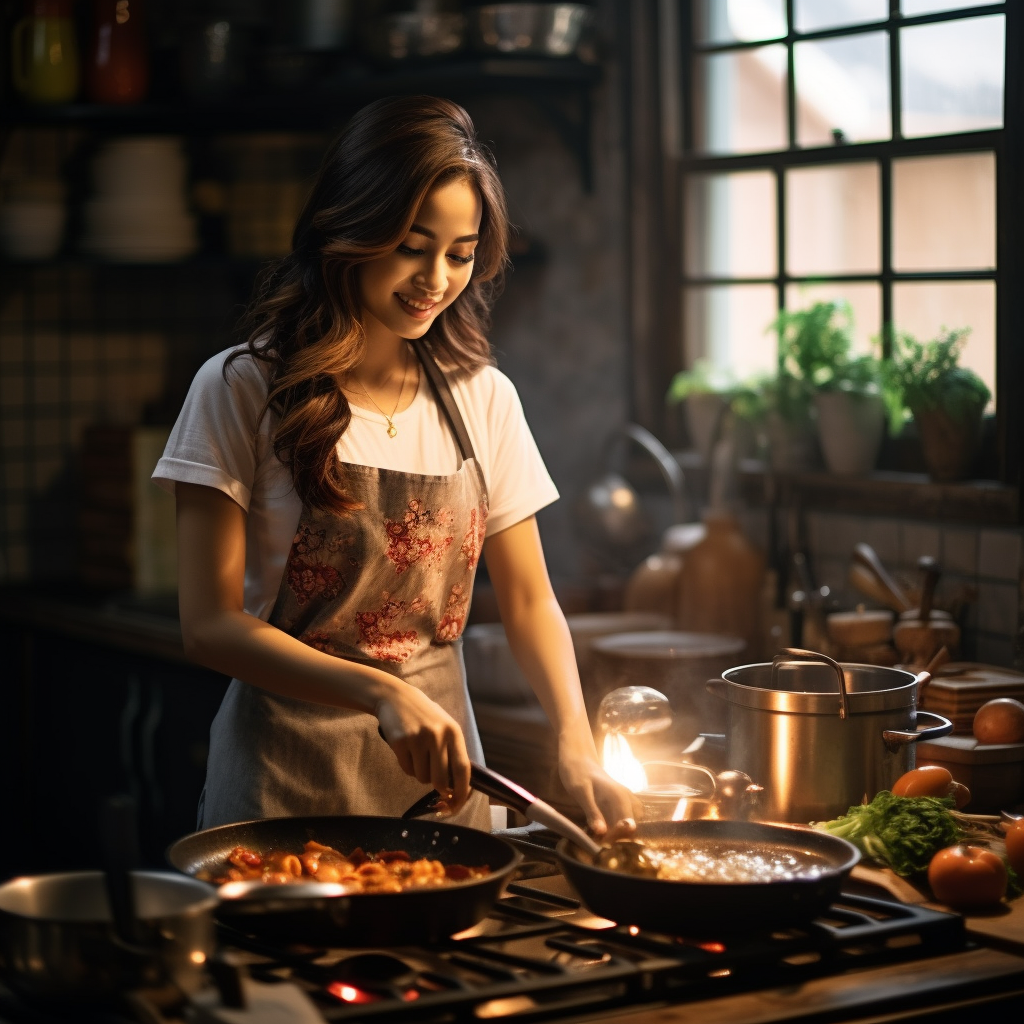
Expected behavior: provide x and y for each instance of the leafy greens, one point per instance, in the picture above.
(901, 832)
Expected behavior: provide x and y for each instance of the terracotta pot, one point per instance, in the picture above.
(850, 428)
(949, 445)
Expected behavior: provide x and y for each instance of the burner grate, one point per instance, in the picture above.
(539, 956)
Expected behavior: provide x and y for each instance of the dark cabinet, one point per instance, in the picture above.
(86, 720)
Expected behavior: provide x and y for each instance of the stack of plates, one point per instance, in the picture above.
(138, 211)
(960, 688)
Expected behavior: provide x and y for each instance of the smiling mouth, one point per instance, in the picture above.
(416, 306)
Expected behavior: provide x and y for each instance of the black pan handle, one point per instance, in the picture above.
(511, 794)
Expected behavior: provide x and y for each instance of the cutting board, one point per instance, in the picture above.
(961, 687)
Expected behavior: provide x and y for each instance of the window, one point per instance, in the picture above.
(848, 149)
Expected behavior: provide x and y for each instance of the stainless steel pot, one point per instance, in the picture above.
(820, 736)
(58, 941)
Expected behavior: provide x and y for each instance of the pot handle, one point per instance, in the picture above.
(896, 738)
(799, 653)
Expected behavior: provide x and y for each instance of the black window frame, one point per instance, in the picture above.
(1006, 143)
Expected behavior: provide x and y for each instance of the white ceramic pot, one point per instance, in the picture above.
(850, 428)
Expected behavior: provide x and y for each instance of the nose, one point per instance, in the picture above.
(433, 277)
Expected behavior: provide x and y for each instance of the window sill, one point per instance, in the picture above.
(903, 495)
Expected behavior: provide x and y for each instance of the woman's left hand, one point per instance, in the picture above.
(611, 809)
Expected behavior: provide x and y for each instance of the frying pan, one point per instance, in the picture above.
(714, 908)
(325, 914)
(685, 908)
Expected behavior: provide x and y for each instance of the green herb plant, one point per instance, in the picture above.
(922, 376)
(815, 354)
(704, 379)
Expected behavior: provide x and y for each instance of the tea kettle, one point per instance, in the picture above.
(610, 508)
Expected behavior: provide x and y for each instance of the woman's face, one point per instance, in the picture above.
(404, 291)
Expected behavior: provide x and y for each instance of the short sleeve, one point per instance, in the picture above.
(219, 434)
(518, 482)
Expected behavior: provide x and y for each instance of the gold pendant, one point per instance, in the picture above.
(391, 430)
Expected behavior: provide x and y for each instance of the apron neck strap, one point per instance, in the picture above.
(443, 393)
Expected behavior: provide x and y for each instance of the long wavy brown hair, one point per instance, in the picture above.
(304, 322)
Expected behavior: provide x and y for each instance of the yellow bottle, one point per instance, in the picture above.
(44, 53)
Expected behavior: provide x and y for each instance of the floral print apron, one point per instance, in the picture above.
(388, 585)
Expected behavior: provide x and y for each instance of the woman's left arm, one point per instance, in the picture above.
(542, 645)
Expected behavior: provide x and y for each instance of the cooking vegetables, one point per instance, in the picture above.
(901, 832)
(967, 877)
(1000, 721)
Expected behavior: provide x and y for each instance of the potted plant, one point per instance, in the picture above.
(705, 393)
(947, 400)
(823, 393)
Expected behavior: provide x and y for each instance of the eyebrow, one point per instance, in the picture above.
(420, 230)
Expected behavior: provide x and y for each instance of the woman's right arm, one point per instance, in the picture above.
(217, 632)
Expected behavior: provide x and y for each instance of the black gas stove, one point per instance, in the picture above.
(540, 956)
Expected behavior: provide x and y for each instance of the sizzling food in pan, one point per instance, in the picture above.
(386, 871)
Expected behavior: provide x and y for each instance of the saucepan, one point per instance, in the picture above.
(820, 736)
(60, 941)
(327, 913)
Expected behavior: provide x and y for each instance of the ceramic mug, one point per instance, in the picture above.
(44, 52)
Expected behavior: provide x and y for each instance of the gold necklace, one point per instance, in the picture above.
(391, 428)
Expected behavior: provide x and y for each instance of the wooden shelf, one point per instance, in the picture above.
(907, 495)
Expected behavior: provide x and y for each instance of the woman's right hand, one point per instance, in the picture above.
(427, 741)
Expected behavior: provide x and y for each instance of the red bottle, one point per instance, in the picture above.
(118, 65)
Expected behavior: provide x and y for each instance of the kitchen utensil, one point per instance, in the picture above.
(621, 853)
(610, 510)
(884, 588)
(923, 631)
(715, 908)
(44, 52)
(58, 942)
(862, 627)
(786, 730)
(541, 29)
(324, 913)
(634, 710)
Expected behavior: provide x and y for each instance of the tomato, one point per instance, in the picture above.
(928, 780)
(1015, 845)
(967, 877)
(999, 721)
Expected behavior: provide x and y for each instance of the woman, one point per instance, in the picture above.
(336, 479)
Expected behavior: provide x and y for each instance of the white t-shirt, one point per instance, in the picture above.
(219, 441)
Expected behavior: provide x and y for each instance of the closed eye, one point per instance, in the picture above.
(408, 250)
(461, 259)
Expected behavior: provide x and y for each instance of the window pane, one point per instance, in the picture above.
(741, 105)
(843, 84)
(944, 212)
(730, 225)
(832, 220)
(924, 309)
(715, 21)
(728, 325)
(865, 301)
(911, 7)
(810, 15)
(952, 76)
